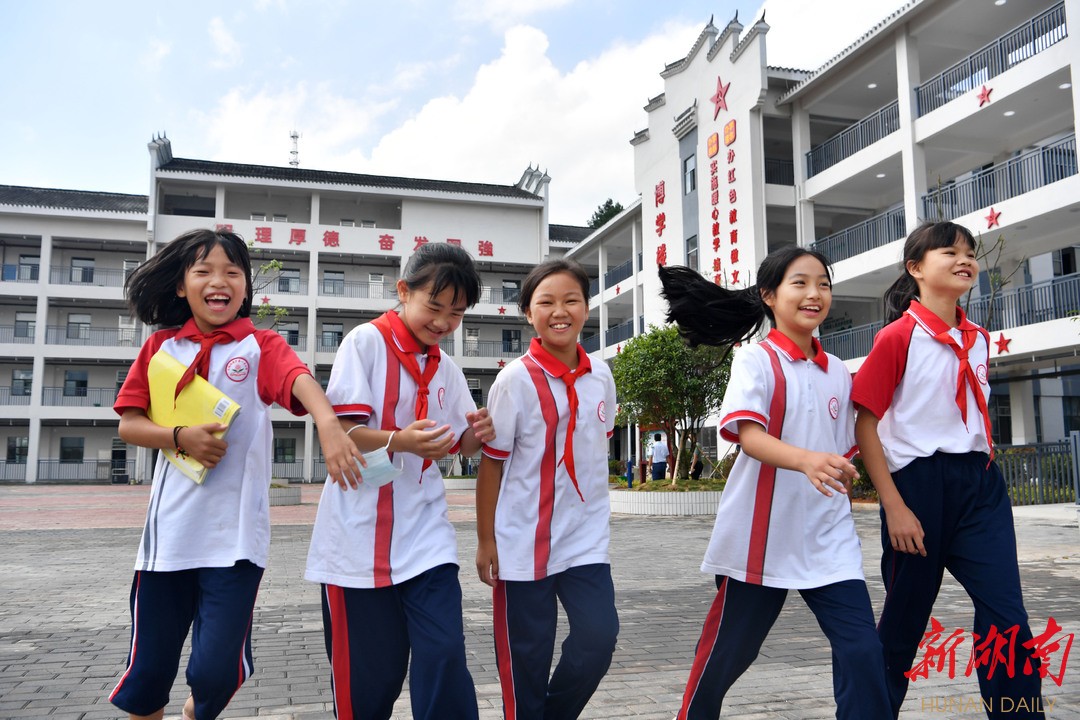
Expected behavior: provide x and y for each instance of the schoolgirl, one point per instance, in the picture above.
(387, 556)
(542, 506)
(787, 405)
(204, 546)
(924, 433)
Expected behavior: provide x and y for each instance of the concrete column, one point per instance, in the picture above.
(912, 156)
(601, 264)
(805, 233)
(1022, 407)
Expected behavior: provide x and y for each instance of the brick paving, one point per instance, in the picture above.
(66, 554)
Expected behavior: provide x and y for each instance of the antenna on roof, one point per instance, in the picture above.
(294, 154)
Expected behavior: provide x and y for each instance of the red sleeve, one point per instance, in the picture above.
(876, 381)
(279, 366)
(135, 392)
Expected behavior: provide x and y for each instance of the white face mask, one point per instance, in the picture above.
(380, 470)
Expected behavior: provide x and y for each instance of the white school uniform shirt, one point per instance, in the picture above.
(772, 527)
(376, 537)
(227, 517)
(542, 525)
(909, 381)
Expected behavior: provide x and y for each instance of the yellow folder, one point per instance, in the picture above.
(198, 403)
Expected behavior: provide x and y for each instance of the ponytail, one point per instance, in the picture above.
(708, 314)
(899, 296)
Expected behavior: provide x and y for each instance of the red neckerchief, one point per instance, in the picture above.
(965, 378)
(230, 332)
(405, 348)
(795, 352)
(557, 368)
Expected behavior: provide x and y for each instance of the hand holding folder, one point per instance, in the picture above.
(199, 403)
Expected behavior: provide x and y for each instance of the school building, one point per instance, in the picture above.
(66, 338)
(946, 109)
(957, 109)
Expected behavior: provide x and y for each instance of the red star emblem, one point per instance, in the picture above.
(502, 363)
(617, 288)
(992, 218)
(502, 311)
(719, 100)
(984, 95)
(618, 348)
(1002, 343)
(265, 300)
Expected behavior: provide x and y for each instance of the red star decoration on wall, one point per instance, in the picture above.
(617, 288)
(984, 95)
(992, 218)
(502, 311)
(618, 348)
(502, 363)
(265, 300)
(719, 100)
(1002, 343)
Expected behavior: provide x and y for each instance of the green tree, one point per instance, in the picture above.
(662, 381)
(605, 212)
(263, 276)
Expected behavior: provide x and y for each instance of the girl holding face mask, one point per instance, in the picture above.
(385, 553)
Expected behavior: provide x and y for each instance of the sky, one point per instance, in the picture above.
(467, 90)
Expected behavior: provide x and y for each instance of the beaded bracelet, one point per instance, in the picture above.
(176, 440)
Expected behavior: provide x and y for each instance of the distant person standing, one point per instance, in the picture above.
(697, 465)
(660, 454)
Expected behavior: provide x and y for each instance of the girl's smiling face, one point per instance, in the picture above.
(802, 300)
(429, 317)
(215, 288)
(948, 271)
(557, 311)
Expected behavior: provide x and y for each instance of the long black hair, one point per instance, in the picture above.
(442, 266)
(708, 314)
(926, 237)
(151, 288)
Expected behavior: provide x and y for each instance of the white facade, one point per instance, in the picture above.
(948, 109)
(66, 339)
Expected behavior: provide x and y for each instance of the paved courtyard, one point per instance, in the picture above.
(66, 555)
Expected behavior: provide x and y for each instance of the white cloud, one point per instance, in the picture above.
(805, 35)
(522, 110)
(501, 14)
(228, 49)
(157, 51)
(250, 126)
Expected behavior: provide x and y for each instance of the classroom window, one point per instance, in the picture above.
(284, 450)
(333, 282)
(17, 448)
(78, 327)
(74, 383)
(21, 382)
(331, 336)
(290, 331)
(689, 171)
(29, 266)
(289, 281)
(692, 252)
(24, 325)
(71, 449)
(82, 270)
(1000, 409)
(511, 290)
(1070, 407)
(511, 340)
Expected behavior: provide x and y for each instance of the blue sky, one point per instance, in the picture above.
(449, 90)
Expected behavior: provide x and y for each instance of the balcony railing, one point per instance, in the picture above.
(296, 340)
(846, 143)
(287, 470)
(99, 277)
(19, 334)
(358, 290)
(15, 396)
(501, 296)
(619, 273)
(779, 172)
(853, 343)
(1026, 172)
(92, 336)
(877, 231)
(590, 343)
(1028, 304)
(1028, 40)
(79, 396)
(85, 470)
(329, 342)
(621, 332)
(287, 286)
(493, 348)
(19, 273)
(12, 471)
